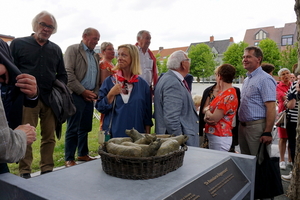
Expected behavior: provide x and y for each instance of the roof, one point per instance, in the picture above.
(220, 45)
(273, 33)
(166, 52)
(7, 36)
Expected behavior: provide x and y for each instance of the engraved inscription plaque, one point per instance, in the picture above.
(222, 182)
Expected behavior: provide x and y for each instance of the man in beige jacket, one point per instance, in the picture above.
(83, 80)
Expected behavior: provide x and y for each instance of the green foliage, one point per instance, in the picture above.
(271, 53)
(158, 64)
(59, 150)
(289, 56)
(162, 67)
(233, 55)
(203, 64)
(114, 61)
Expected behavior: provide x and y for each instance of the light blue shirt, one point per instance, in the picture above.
(89, 81)
(258, 88)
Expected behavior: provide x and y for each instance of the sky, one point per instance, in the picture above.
(172, 23)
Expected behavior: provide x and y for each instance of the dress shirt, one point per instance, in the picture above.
(146, 66)
(88, 82)
(258, 88)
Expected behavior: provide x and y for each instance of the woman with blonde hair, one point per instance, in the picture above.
(125, 97)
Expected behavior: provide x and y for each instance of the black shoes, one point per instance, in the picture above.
(25, 175)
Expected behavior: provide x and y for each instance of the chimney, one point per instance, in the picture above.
(160, 48)
(231, 39)
(211, 39)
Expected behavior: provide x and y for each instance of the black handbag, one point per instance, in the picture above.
(267, 177)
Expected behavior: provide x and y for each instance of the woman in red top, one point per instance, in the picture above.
(281, 91)
(108, 52)
(220, 113)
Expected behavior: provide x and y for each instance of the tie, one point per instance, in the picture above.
(186, 85)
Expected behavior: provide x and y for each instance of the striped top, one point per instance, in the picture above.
(293, 113)
(258, 88)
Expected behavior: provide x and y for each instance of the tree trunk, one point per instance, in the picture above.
(294, 187)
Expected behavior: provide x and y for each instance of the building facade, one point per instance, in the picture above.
(283, 36)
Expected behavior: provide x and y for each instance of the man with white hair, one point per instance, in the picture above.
(175, 112)
(37, 56)
(147, 59)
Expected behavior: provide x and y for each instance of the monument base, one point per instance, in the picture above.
(205, 174)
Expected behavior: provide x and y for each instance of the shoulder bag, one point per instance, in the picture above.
(267, 176)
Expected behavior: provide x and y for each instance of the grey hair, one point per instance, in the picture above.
(175, 59)
(140, 33)
(35, 21)
(282, 70)
(88, 31)
(104, 45)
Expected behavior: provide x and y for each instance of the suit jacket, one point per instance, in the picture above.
(76, 64)
(12, 142)
(175, 112)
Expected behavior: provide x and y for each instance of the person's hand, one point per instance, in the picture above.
(115, 90)
(27, 85)
(29, 131)
(207, 118)
(266, 140)
(3, 74)
(89, 95)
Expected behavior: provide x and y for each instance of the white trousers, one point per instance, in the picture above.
(219, 143)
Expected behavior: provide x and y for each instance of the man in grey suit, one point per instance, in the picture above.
(174, 110)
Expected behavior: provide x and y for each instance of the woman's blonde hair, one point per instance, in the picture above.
(135, 65)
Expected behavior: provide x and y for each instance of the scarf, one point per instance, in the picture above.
(154, 68)
(119, 77)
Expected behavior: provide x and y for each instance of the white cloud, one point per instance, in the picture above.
(172, 23)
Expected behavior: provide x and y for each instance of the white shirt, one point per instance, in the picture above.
(146, 66)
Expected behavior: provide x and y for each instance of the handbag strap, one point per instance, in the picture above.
(266, 154)
(110, 121)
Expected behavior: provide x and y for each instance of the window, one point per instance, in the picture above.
(286, 40)
(260, 35)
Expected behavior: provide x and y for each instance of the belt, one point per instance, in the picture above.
(253, 122)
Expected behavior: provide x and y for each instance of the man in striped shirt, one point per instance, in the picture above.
(257, 109)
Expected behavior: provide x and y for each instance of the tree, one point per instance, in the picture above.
(162, 67)
(289, 56)
(233, 55)
(294, 187)
(203, 64)
(158, 64)
(271, 53)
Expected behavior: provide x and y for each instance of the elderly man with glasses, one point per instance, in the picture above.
(43, 59)
(175, 112)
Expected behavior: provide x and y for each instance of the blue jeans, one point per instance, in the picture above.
(78, 127)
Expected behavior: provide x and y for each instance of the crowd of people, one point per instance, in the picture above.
(124, 93)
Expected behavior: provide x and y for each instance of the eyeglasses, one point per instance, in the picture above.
(49, 27)
(109, 49)
(188, 59)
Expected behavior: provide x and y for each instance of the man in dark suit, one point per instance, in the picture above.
(175, 112)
